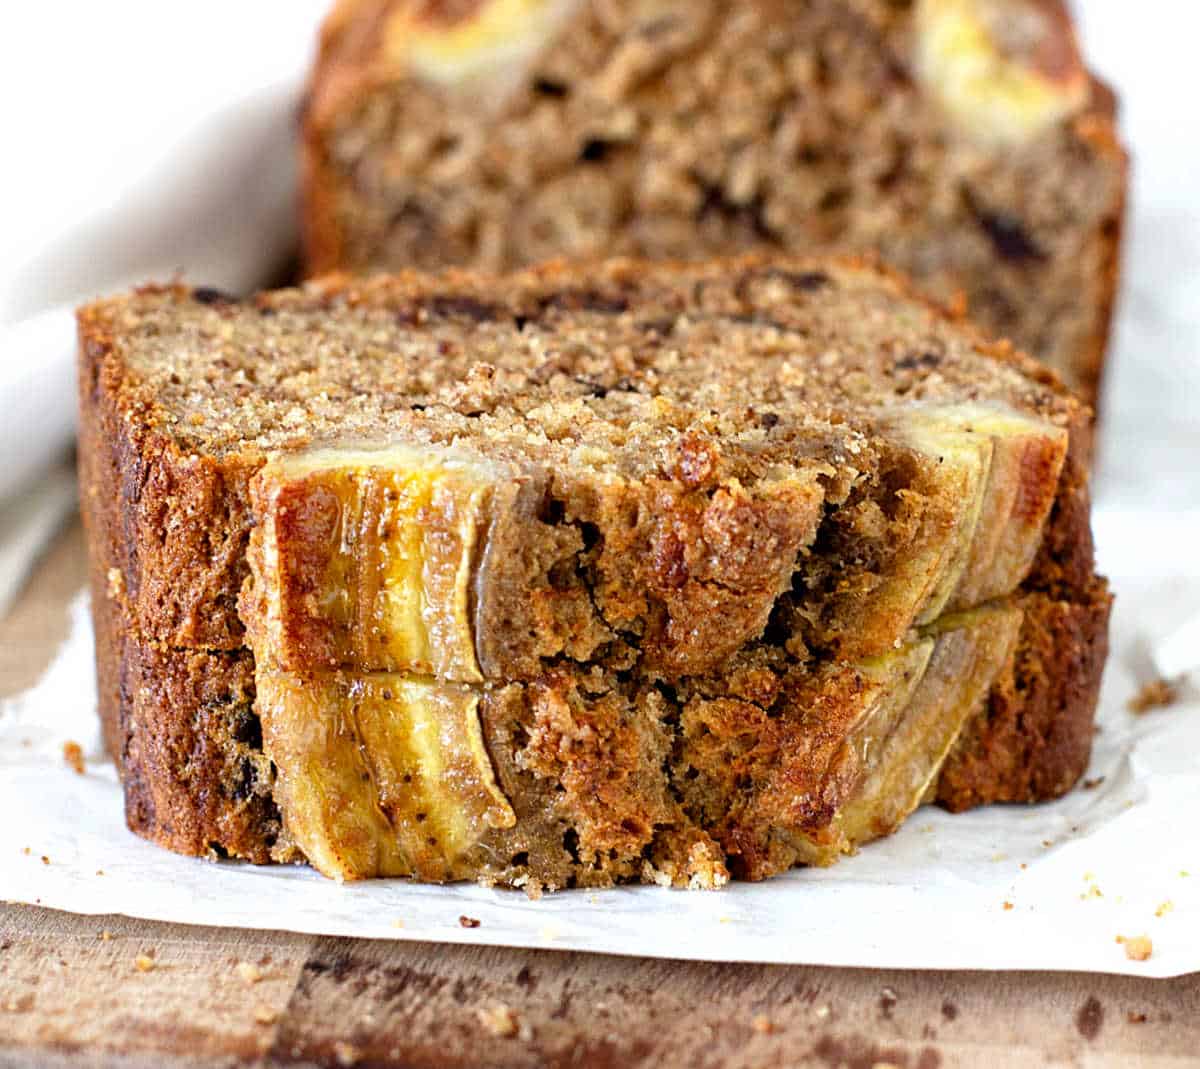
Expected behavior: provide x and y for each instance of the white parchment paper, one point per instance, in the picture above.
(1047, 887)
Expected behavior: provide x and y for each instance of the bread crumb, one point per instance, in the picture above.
(45, 860)
(397, 923)
(1008, 905)
(1137, 1018)
(1092, 892)
(143, 963)
(762, 1024)
(27, 851)
(468, 922)
(1157, 694)
(266, 1015)
(73, 755)
(106, 936)
(249, 972)
(500, 1020)
(346, 1053)
(1164, 908)
(1137, 947)
(1092, 784)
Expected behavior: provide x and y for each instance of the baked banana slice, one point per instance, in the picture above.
(985, 502)
(1003, 72)
(905, 746)
(379, 774)
(366, 558)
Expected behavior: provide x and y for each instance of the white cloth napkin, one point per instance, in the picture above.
(141, 141)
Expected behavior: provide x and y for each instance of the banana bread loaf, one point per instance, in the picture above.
(591, 574)
(964, 140)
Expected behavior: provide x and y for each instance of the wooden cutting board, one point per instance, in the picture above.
(110, 991)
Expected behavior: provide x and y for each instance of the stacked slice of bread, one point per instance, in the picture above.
(588, 575)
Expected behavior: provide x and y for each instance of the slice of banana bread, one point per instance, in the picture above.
(591, 574)
(963, 140)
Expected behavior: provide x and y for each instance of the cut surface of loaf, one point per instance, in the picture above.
(964, 140)
(590, 574)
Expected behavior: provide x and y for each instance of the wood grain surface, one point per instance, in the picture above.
(110, 991)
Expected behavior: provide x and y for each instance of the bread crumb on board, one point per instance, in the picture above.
(468, 922)
(502, 1021)
(1157, 694)
(266, 1015)
(73, 755)
(1137, 947)
(249, 972)
(143, 963)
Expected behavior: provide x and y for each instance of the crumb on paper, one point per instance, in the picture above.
(1023, 866)
(249, 972)
(762, 1024)
(468, 922)
(73, 755)
(1092, 784)
(500, 1020)
(397, 923)
(346, 1053)
(999, 857)
(1137, 947)
(1008, 906)
(266, 1015)
(27, 851)
(1184, 873)
(1157, 694)
(1164, 908)
(99, 872)
(549, 933)
(1047, 843)
(143, 963)
(1092, 892)
(45, 860)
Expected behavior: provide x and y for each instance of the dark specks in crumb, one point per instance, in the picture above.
(768, 421)
(461, 306)
(912, 361)
(550, 87)
(1009, 238)
(212, 295)
(1090, 1018)
(594, 389)
(595, 150)
(810, 281)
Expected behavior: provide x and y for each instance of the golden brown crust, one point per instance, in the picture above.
(1033, 742)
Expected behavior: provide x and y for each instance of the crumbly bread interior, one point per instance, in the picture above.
(961, 139)
(632, 572)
